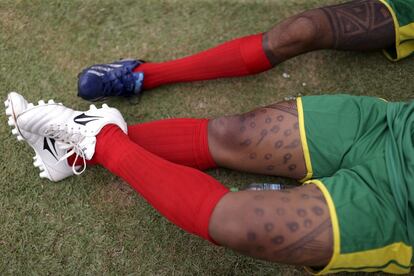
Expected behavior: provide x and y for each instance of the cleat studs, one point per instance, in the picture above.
(37, 163)
(9, 111)
(51, 101)
(105, 106)
(43, 174)
(20, 138)
(35, 157)
(6, 103)
(41, 102)
(15, 131)
(92, 107)
(30, 105)
(10, 122)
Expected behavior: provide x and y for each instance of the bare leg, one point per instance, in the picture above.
(356, 25)
(266, 140)
(291, 227)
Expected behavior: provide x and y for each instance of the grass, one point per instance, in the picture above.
(95, 224)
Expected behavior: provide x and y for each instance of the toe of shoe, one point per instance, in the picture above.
(90, 86)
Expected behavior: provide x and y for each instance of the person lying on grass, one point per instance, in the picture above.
(354, 154)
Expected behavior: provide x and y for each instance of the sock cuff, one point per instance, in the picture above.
(206, 211)
(202, 152)
(110, 138)
(253, 55)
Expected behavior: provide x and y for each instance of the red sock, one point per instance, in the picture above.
(181, 141)
(185, 196)
(239, 57)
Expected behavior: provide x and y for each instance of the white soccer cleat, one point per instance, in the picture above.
(74, 130)
(47, 153)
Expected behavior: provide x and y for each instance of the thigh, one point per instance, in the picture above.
(266, 141)
(302, 139)
(290, 226)
(369, 234)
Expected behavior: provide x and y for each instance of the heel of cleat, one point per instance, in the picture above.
(39, 164)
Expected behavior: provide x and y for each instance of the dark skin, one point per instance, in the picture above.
(291, 226)
(265, 141)
(357, 26)
(294, 226)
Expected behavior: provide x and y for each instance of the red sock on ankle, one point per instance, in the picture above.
(185, 196)
(239, 57)
(181, 141)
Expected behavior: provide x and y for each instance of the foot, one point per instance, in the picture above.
(100, 81)
(47, 153)
(74, 130)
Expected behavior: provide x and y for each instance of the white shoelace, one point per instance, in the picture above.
(70, 142)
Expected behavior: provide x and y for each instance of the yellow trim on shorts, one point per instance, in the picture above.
(404, 37)
(394, 258)
(407, 36)
(335, 227)
(305, 148)
(397, 33)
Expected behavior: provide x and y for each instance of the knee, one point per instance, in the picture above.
(230, 221)
(224, 132)
(300, 31)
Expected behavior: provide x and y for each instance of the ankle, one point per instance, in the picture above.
(110, 138)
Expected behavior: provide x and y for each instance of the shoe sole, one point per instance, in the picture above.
(12, 122)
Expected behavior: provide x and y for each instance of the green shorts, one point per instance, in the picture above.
(343, 138)
(403, 14)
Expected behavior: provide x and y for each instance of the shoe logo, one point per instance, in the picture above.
(95, 73)
(49, 145)
(83, 119)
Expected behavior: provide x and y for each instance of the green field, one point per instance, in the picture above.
(95, 224)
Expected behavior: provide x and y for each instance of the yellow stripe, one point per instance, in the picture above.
(335, 227)
(407, 37)
(407, 32)
(397, 33)
(406, 48)
(309, 171)
(393, 258)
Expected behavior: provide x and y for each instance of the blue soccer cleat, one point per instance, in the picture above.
(100, 81)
